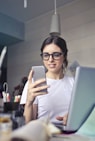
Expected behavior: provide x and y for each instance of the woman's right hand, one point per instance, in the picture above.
(63, 118)
(33, 88)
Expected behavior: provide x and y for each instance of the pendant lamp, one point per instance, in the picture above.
(55, 22)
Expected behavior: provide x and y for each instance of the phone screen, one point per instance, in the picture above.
(39, 73)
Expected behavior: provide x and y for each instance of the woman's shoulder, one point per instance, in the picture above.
(69, 78)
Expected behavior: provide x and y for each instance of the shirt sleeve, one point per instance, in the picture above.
(24, 94)
(72, 81)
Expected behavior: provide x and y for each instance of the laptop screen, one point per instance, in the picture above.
(83, 98)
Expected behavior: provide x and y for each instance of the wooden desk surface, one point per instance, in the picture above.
(72, 137)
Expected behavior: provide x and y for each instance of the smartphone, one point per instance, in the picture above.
(39, 73)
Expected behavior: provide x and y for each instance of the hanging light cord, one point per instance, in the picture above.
(25, 3)
(55, 6)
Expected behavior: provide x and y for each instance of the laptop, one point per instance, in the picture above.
(82, 99)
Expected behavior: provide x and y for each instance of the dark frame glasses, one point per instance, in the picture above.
(55, 55)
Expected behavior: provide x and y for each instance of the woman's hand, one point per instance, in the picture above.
(63, 118)
(33, 88)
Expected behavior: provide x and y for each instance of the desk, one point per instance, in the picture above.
(72, 137)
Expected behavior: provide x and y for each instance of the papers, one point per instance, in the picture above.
(88, 128)
(35, 130)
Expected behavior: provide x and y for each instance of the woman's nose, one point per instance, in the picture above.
(51, 58)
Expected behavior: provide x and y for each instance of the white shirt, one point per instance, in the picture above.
(56, 102)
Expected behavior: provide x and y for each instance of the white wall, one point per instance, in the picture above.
(78, 29)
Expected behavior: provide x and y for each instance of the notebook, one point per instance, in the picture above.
(82, 99)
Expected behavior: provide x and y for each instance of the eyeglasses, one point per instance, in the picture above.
(55, 55)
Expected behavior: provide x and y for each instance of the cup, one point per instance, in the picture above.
(5, 124)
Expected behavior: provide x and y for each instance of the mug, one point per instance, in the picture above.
(5, 124)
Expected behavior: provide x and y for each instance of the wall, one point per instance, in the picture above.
(77, 27)
(11, 27)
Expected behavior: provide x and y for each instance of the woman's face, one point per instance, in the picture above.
(53, 64)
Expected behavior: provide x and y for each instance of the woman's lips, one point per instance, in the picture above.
(51, 65)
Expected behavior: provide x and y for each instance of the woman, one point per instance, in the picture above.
(54, 104)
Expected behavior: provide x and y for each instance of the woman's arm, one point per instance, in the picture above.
(33, 90)
(30, 112)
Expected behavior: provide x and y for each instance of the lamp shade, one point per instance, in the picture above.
(55, 25)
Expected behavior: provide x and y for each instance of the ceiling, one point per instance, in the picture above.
(35, 8)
